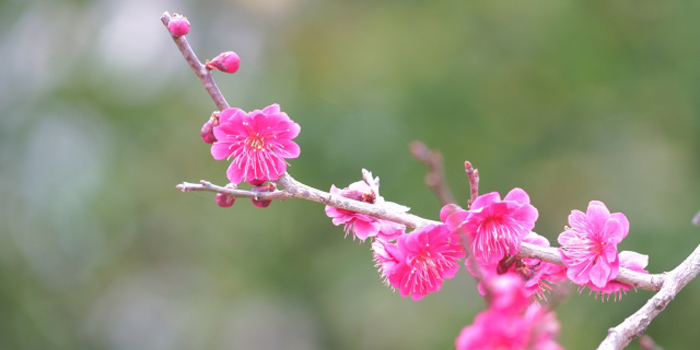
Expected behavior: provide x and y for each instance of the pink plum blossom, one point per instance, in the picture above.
(511, 322)
(495, 227)
(506, 293)
(630, 260)
(364, 226)
(589, 245)
(258, 142)
(420, 261)
(539, 275)
(544, 328)
(494, 330)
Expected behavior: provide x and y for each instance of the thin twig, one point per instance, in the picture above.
(435, 179)
(473, 175)
(198, 68)
(291, 188)
(633, 327)
(295, 189)
(696, 219)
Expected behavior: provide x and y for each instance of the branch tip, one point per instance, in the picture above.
(435, 179)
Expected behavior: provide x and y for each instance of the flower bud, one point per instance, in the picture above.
(269, 187)
(179, 25)
(224, 200)
(227, 62)
(207, 132)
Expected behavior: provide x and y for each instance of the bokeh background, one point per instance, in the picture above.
(100, 118)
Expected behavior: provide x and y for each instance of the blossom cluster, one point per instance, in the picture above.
(511, 322)
(489, 233)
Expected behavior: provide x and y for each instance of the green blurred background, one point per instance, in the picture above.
(100, 118)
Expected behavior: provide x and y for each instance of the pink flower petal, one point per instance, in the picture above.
(288, 149)
(517, 195)
(231, 115)
(600, 274)
(596, 216)
(625, 223)
(272, 109)
(634, 261)
(612, 231)
(449, 209)
(485, 199)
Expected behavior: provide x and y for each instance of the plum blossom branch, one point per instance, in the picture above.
(667, 285)
(435, 179)
(633, 327)
(202, 72)
(291, 188)
(294, 189)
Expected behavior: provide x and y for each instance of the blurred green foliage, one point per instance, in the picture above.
(100, 115)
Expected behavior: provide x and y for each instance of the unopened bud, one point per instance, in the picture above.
(227, 62)
(269, 187)
(223, 199)
(207, 132)
(179, 25)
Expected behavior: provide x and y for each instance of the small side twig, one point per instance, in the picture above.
(435, 179)
(294, 189)
(202, 72)
(473, 175)
(696, 219)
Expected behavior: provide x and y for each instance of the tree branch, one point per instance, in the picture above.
(198, 68)
(633, 327)
(291, 188)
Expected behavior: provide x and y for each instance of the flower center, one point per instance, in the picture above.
(369, 197)
(256, 142)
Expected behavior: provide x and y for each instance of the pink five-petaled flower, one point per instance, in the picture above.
(495, 227)
(494, 330)
(589, 246)
(511, 322)
(364, 226)
(257, 141)
(420, 261)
